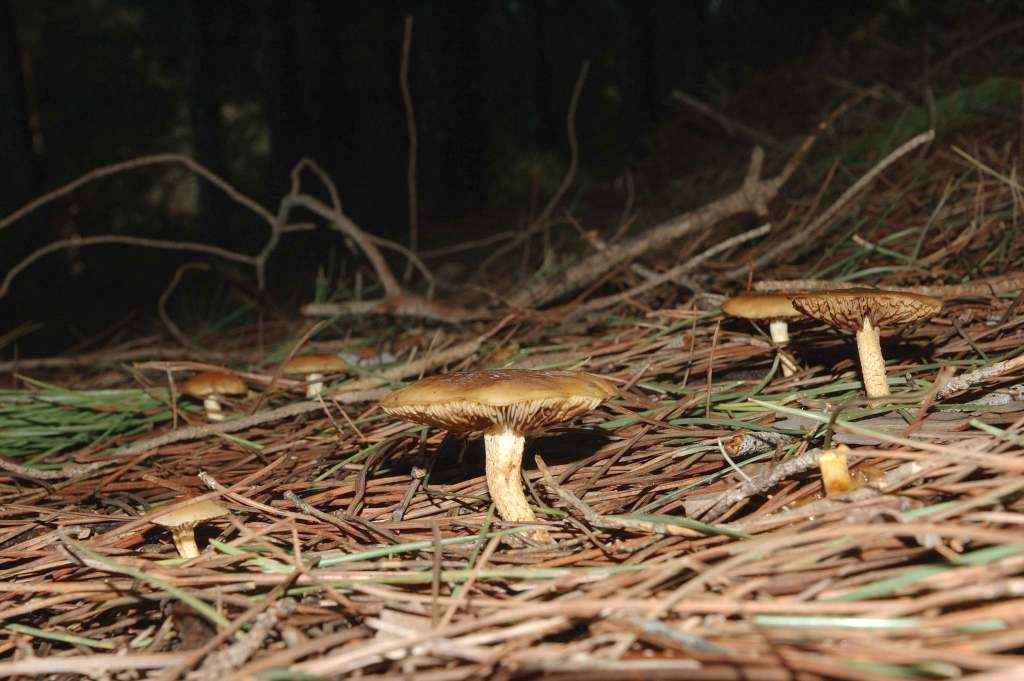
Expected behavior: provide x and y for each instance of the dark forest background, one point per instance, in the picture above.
(250, 87)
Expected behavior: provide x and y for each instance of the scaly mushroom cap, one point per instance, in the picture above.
(848, 308)
(518, 399)
(310, 364)
(213, 383)
(191, 514)
(761, 306)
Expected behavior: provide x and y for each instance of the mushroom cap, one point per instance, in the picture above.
(192, 513)
(309, 364)
(519, 399)
(848, 308)
(760, 306)
(211, 383)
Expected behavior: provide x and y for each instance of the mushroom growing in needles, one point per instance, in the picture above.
(865, 311)
(505, 405)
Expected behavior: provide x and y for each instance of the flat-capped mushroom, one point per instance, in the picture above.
(313, 368)
(183, 520)
(865, 311)
(506, 405)
(777, 310)
(209, 386)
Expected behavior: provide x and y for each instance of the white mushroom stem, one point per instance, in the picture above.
(872, 366)
(213, 411)
(185, 540)
(504, 452)
(835, 472)
(314, 389)
(779, 330)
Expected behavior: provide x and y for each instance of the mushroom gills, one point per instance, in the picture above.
(185, 540)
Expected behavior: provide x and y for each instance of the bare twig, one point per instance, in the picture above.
(992, 286)
(161, 306)
(609, 522)
(730, 126)
(673, 274)
(712, 510)
(753, 195)
(787, 249)
(971, 378)
(410, 123)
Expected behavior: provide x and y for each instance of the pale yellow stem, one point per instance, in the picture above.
(835, 472)
(212, 406)
(315, 386)
(504, 451)
(185, 540)
(872, 366)
(779, 330)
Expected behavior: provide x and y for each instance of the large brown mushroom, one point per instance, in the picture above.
(210, 386)
(777, 310)
(505, 405)
(182, 522)
(865, 311)
(313, 368)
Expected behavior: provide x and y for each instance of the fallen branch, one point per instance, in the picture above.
(71, 470)
(971, 378)
(107, 357)
(361, 390)
(993, 286)
(711, 510)
(752, 196)
(671, 275)
(609, 522)
(802, 240)
(401, 306)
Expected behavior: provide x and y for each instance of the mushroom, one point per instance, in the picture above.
(865, 311)
(506, 405)
(835, 471)
(183, 520)
(774, 307)
(313, 368)
(210, 386)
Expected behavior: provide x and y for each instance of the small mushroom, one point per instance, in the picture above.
(183, 520)
(210, 386)
(505, 405)
(865, 311)
(835, 470)
(777, 310)
(313, 368)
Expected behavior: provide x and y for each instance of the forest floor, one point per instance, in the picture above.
(691, 536)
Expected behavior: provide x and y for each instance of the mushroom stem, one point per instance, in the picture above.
(504, 452)
(835, 473)
(185, 540)
(872, 366)
(213, 411)
(779, 330)
(314, 389)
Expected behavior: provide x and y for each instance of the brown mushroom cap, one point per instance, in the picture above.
(191, 513)
(761, 306)
(519, 399)
(213, 383)
(848, 308)
(310, 364)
